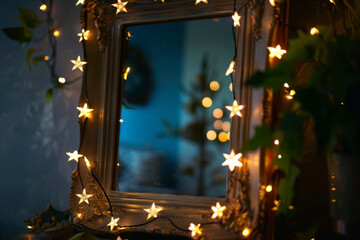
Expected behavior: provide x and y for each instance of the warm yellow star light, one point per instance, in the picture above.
(84, 197)
(314, 31)
(84, 35)
(120, 6)
(87, 162)
(276, 51)
(43, 7)
(195, 230)
(232, 160)
(236, 19)
(272, 2)
(230, 68)
(80, 2)
(74, 156)
(113, 223)
(84, 111)
(127, 73)
(246, 232)
(235, 109)
(218, 211)
(78, 64)
(199, 1)
(153, 211)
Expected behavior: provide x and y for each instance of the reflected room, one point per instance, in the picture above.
(173, 125)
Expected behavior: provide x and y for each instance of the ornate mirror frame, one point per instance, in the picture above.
(99, 138)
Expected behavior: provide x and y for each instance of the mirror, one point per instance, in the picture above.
(174, 96)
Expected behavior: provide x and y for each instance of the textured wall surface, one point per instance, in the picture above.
(35, 135)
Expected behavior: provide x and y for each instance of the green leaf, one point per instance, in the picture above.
(286, 188)
(49, 95)
(84, 236)
(20, 34)
(38, 59)
(29, 18)
(29, 54)
(262, 138)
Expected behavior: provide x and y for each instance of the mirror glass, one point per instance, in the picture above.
(174, 127)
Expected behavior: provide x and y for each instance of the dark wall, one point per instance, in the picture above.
(35, 135)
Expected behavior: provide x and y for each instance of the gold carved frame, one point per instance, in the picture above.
(99, 138)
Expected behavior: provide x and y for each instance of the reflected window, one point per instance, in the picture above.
(174, 127)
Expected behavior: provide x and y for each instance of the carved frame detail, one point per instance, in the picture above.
(98, 139)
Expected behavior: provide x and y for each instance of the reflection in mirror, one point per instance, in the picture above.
(173, 126)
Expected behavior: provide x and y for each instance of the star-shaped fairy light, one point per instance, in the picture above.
(84, 197)
(232, 160)
(84, 35)
(80, 2)
(218, 211)
(87, 162)
(84, 111)
(276, 51)
(195, 230)
(235, 109)
(236, 19)
(120, 6)
(74, 156)
(78, 64)
(153, 211)
(230, 68)
(199, 1)
(113, 223)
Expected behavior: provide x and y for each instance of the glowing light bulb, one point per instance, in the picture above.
(87, 162)
(85, 111)
(56, 33)
(120, 6)
(268, 188)
(230, 68)
(153, 211)
(211, 135)
(236, 19)
(195, 230)
(314, 31)
(121, 120)
(46, 58)
(276, 52)
(214, 86)
(223, 137)
(218, 211)
(127, 73)
(246, 232)
(235, 109)
(84, 197)
(29, 227)
(206, 102)
(332, 1)
(292, 92)
(218, 113)
(78, 64)
(80, 2)
(43, 7)
(286, 85)
(113, 223)
(218, 124)
(79, 215)
(199, 1)
(232, 160)
(61, 80)
(272, 2)
(84, 35)
(74, 156)
(279, 156)
(276, 142)
(226, 126)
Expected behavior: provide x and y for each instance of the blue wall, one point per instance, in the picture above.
(35, 135)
